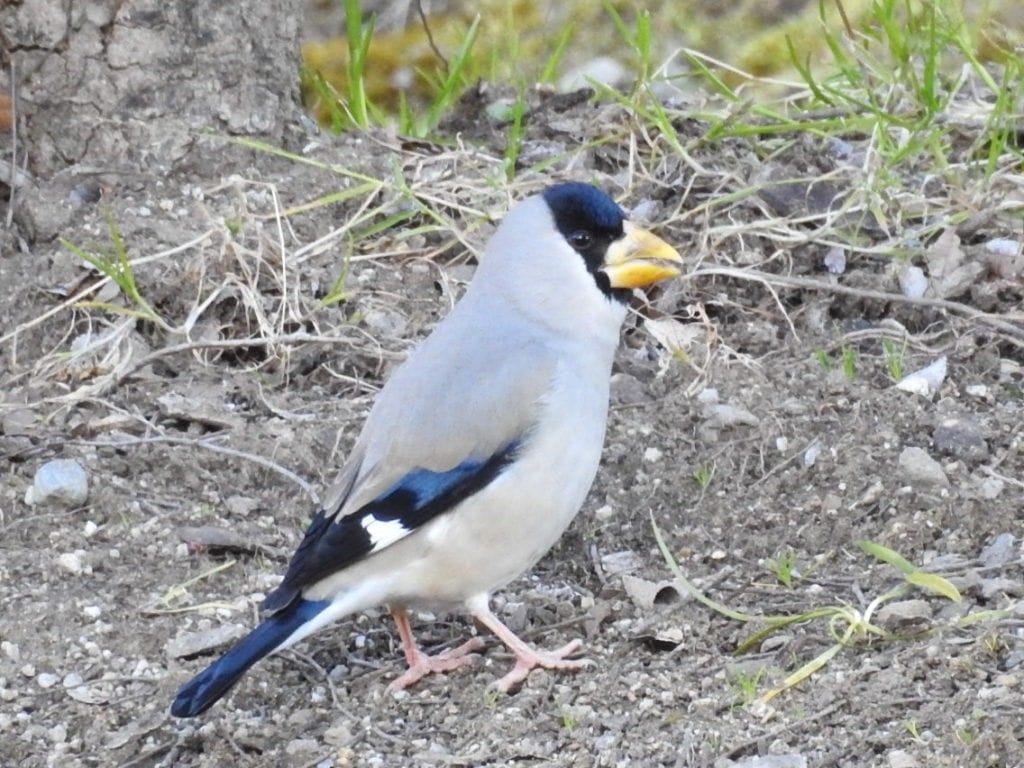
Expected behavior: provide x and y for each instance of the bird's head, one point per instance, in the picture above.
(618, 254)
(570, 259)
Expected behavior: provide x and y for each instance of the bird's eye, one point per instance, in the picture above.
(579, 239)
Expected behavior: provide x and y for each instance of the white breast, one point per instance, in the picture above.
(499, 533)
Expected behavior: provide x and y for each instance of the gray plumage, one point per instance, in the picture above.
(481, 448)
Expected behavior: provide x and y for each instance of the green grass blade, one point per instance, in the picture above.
(549, 73)
(887, 555)
(932, 582)
(803, 672)
(673, 566)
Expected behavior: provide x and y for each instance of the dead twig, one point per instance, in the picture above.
(1014, 333)
(430, 36)
(191, 346)
(208, 445)
(774, 734)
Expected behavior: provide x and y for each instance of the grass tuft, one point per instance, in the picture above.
(845, 625)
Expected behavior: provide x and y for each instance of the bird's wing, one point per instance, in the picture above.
(449, 421)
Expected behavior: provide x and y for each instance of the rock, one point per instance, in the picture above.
(904, 613)
(913, 283)
(900, 758)
(1001, 586)
(772, 761)
(989, 488)
(1003, 246)
(241, 506)
(652, 454)
(602, 69)
(625, 561)
(72, 562)
(1013, 659)
(708, 395)
(47, 680)
(812, 453)
(338, 735)
(299, 750)
(835, 261)
(61, 482)
(926, 381)
(192, 644)
(1001, 551)
(628, 390)
(725, 415)
(922, 470)
(961, 438)
(949, 273)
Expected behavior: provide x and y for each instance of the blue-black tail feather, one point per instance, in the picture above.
(203, 690)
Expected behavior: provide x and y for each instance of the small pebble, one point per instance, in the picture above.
(709, 395)
(72, 680)
(772, 761)
(47, 680)
(812, 453)
(62, 482)
(960, 437)
(913, 283)
(71, 562)
(926, 381)
(904, 613)
(1003, 246)
(900, 758)
(922, 470)
(835, 261)
(989, 488)
(1001, 551)
(11, 650)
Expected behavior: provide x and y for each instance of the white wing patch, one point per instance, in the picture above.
(383, 532)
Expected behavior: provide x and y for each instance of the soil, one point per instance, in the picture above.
(748, 442)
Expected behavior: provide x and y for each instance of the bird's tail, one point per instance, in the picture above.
(285, 627)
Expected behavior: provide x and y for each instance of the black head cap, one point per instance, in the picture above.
(589, 221)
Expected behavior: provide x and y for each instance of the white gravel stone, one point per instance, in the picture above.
(47, 680)
(62, 482)
(900, 758)
(71, 562)
(11, 650)
(913, 283)
(926, 381)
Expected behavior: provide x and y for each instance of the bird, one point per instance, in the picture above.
(478, 452)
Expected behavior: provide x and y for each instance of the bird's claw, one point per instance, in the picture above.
(445, 661)
(531, 659)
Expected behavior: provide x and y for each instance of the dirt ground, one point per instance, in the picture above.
(756, 421)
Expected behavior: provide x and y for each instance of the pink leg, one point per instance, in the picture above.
(527, 658)
(420, 664)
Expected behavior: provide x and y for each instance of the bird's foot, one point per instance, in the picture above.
(528, 659)
(422, 664)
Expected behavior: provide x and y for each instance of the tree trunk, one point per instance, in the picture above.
(122, 92)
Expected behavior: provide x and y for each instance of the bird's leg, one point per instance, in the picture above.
(527, 658)
(421, 664)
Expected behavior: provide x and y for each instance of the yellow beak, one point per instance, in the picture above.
(639, 259)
